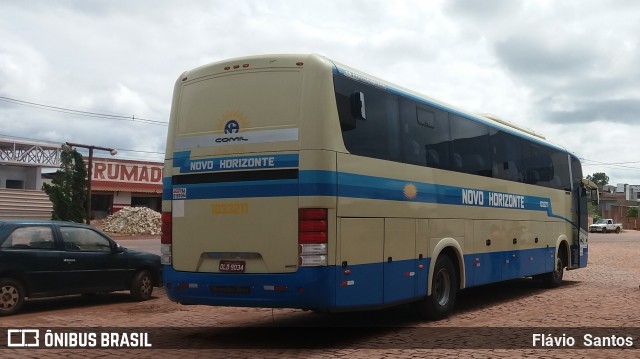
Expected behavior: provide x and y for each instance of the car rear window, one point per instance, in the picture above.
(30, 237)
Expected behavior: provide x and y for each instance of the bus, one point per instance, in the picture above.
(294, 181)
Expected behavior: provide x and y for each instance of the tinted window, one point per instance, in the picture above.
(425, 135)
(400, 129)
(34, 237)
(471, 146)
(576, 171)
(84, 239)
(377, 135)
(505, 149)
(561, 179)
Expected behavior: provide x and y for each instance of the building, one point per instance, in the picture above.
(21, 165)
(631, 192)
(115, 183)
(615, 203)
(119, 183)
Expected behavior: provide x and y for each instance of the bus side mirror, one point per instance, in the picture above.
(358, 106)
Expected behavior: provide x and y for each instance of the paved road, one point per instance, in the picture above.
(151, 245)
(489, 319)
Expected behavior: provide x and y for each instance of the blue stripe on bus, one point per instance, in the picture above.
(361, 186)
(180, 157)
(329, 183)
(234, 163)
(274, 188)
(167, 188)
(367, 285)
(318, 183)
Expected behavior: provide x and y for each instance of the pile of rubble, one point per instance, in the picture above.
(133, 220)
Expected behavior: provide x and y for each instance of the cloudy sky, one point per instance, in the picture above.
(567, 69)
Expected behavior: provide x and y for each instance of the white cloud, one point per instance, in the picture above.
(566, 69)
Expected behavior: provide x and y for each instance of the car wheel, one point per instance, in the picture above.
(604, 230)
(11, 296)
(142, 286)
(439, 304)
(617, 229)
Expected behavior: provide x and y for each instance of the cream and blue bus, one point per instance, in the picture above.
(295, 181)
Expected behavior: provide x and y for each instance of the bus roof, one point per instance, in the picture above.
(297, 60)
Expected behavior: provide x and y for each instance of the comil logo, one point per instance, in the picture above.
(232, 127)
(233, 121)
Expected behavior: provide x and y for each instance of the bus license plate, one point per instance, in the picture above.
(231, 266)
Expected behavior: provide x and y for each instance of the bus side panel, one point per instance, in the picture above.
(361, 249)
(423, 256)
(508, 249)
(399, 264)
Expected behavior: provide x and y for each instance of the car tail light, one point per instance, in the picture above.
(166, 238)
(312, 236)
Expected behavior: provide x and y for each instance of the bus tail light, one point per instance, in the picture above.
(166, 238)
(312, 236)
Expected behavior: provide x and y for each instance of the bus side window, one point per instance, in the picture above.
(425, 135)
(358, 108)
(471, 148)
(347, 121)
(368, 129)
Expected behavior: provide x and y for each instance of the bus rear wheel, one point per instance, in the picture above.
(554, 279)
(439, 304)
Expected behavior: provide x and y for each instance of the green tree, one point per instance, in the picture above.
(599, 178)
(67, 190)
(632, 212)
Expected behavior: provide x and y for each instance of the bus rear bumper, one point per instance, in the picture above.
(307, 288)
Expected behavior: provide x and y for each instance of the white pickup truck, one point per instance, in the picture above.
(605, 225)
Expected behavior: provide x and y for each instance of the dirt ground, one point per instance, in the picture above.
(602, 299)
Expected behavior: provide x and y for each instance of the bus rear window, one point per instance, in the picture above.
(253, 100)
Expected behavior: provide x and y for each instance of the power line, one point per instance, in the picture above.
(60, 143)
(81, 113)
(614, 165)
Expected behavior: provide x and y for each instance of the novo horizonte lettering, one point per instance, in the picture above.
(495, 199)
(231, 163)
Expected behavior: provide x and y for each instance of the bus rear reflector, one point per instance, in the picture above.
(166, 238)
(166, 228)
(312, 236)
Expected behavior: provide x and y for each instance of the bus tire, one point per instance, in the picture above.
(554, 279)
(12, 295)
(439, 304)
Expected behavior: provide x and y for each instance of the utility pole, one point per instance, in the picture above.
(112, 151)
